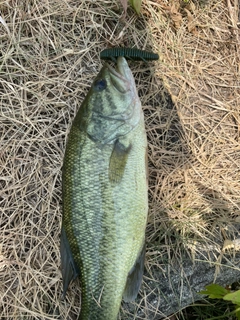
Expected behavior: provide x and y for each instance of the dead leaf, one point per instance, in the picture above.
(191, 24)
(124, 4)
(176, 16)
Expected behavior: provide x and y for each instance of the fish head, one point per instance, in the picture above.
(114, 103)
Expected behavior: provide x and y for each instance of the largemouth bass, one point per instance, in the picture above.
(105, 200)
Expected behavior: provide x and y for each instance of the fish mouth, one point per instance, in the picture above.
(120, 76)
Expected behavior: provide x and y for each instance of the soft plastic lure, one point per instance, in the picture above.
(128, 53)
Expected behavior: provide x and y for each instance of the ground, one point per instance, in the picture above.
(191, 99)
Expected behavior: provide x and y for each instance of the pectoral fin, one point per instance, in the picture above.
(134, 278)
(69, 269)
(118, 160)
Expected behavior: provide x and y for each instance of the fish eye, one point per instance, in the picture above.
(100, 85)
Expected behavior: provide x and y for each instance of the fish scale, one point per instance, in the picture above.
(105, 196)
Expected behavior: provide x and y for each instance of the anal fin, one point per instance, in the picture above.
(69, 268)
(134, 278)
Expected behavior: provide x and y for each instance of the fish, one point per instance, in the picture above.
(105, 195)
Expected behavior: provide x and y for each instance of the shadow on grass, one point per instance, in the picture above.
(183, 253)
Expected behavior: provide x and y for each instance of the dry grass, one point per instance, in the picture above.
(49, 57)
